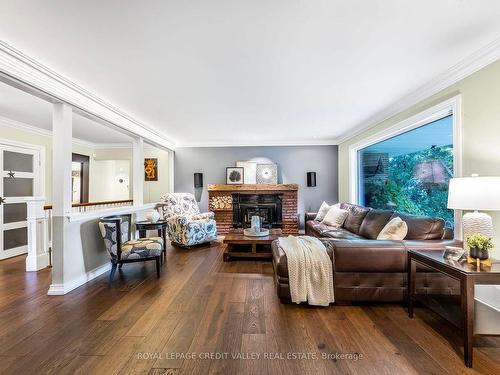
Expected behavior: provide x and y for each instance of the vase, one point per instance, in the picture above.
(255, 223)
(153, 216)
(477, 253)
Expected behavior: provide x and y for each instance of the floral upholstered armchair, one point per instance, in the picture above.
(186, 226)
(116, 233)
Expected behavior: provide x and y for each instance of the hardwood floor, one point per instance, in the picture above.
(202, 307)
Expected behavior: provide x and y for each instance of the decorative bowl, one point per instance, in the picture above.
(251, 233)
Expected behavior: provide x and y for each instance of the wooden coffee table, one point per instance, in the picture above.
(240, 246)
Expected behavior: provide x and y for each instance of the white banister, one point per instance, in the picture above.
(38, 255)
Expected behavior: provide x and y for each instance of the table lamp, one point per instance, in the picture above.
(475, 194)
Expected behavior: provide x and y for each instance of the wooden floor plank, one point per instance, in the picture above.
(432, 342)
(254, 321)
(229, 341)
(253, 345)
(406, 346)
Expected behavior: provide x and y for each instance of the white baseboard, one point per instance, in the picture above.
(61, 289)
(36, 263)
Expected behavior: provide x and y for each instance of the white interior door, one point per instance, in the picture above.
(19, 175)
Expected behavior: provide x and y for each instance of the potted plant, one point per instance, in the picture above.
(479, 245)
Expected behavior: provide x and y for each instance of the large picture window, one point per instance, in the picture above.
(409, 172)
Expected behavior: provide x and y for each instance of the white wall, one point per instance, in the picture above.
(153, 190)
(104, 182)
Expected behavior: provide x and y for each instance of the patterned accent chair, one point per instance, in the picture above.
(116, 232)
(186, 226)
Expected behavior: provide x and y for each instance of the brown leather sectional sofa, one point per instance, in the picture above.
(366, 269)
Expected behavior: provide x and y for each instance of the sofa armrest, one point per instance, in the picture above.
(309, 216)
(448, 233)
(431, 244)
(178, 220)
(368, 256)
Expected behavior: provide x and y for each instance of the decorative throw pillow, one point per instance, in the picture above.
(396, 229)
(335, 217)
(323, 210)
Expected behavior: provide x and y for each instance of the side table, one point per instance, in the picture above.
(160, 226)
(467, 274)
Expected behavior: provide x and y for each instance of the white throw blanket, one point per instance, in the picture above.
(310, 273)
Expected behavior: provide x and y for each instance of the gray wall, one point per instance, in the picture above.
(293, 163)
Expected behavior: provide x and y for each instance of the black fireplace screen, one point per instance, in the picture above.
(267, 206)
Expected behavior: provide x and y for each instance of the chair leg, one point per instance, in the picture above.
(157, 260)
(113, 270)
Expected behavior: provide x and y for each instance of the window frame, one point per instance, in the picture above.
(451, 106)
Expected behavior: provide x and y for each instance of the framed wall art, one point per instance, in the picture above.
(234, 175)
(150, 169)
(249, 171)
(267, 174)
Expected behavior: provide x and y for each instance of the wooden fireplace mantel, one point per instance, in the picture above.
(253, 187)
(220, 202)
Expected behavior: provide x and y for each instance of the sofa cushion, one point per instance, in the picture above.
(314, 228)
(355, 217)
(341, 233)
(374, 222)
(321, 228)
(422, 227)
(142, 248)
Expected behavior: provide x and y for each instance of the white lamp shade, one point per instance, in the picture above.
(474, 193)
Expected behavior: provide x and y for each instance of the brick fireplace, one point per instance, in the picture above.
(232, 204)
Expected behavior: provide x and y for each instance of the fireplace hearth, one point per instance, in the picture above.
(267, 206)
(277, 207)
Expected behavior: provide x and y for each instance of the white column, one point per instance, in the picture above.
(138, 171)
(171, 171)
(62, 134)
(62, 129)
(38, 256)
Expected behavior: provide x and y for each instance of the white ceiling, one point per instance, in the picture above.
(250, 72)
(30, 110)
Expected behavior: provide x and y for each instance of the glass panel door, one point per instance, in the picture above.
(19, 170)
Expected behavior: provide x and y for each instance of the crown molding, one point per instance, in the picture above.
(308, 142)
(20, 67)
(471, 64)
(22, 125)
(47, 133)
